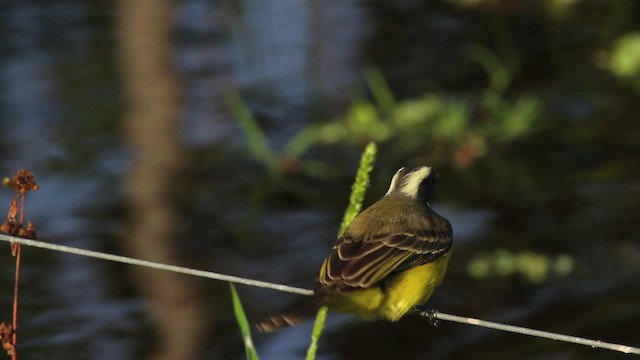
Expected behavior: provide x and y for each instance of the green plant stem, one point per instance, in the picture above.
(355, 204)
(318, 326)
(359, 186)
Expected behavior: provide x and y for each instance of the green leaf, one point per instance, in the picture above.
(497, 71)
(257, 142)
(243, 323)
(380, 89)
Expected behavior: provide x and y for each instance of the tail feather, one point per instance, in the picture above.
(293, 314)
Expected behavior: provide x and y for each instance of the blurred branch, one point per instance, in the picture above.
(151, 124)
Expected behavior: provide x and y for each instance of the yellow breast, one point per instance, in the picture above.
(411, 288)
(396, 296)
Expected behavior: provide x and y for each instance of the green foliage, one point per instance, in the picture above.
(243, 324)
(469, 124)
(380, 89)
(624, 59)
(559, 9)
(431, 120)
(507, 119)
(256, 140)
(534, 267)
(358, 189)
(499, 73)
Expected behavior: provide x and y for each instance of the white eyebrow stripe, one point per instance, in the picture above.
(394, 182)
(410, 186)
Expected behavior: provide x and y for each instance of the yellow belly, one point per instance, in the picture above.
(396, 296)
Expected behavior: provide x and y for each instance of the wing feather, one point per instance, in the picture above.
(361, 261)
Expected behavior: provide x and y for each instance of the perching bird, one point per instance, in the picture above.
(388, 261)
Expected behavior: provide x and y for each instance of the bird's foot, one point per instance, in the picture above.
(431, 314)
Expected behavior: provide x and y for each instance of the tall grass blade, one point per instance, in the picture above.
(243, 323)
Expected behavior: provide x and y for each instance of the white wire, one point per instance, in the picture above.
(301, 291)
(155, 265)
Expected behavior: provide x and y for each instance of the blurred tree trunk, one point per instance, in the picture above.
(151, 124)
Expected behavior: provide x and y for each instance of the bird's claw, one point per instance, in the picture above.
(430, 314)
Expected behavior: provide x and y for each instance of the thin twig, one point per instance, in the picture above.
(22, 196)
(14, 320)
(296, 290)
(18, 255)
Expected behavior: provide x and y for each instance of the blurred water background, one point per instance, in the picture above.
(528, 110)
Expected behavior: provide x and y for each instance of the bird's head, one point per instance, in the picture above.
(416, 182)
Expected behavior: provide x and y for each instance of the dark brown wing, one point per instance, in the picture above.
(361, 258)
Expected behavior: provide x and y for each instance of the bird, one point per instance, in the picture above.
(388, 261)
